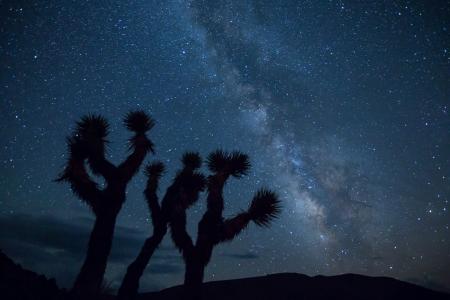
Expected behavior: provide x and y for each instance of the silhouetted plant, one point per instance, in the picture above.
(185, 190)
(213, 228)
(87, 147)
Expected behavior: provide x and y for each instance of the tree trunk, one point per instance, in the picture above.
(130, 284)
(90, 278)
(193, 278)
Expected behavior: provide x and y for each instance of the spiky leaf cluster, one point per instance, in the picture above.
(140, 141)
(154, 170)
(235, 163)
(92, 127)
(138, 121)
(264, 208)
(192, 160)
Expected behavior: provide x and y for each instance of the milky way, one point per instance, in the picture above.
(342, 107)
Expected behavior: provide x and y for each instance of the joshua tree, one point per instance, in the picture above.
(87, 147)
(213, 228)
(185, 190)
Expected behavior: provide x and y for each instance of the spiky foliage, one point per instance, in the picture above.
(154, 170)
(217, 161)
(192, 160)
(235, 163)
(138, 121)
(140, 141)
(239, 164)
(264, 208)
(92, 127)
(91, 132)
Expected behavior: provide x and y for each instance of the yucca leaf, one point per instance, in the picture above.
(235, 164)
(154, 170)
(239, 164)
(138, 121)
(217, 161)
(264, 208)
(192, 160)
(92, 127)
(141, 141)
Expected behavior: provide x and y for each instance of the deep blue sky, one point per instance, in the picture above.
(342, 106)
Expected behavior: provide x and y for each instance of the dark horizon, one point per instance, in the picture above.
(342, 108)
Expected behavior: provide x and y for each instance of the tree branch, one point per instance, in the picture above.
(100, 165)
(141, 145)
(215, 201)
(232, 227)
(75, 173)
(153, 173)
(180, 236)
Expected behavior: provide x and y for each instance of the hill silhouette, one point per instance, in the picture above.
(19, 283)
(285, 286)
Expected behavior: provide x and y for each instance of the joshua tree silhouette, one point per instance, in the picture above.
(86, 145)
(213, 228)
(185, 190)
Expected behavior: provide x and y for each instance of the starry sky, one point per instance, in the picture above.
(342, 106)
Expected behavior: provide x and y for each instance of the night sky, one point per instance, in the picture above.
(342, 106)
